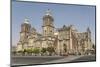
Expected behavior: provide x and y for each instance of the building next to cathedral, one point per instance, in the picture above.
(65, 40)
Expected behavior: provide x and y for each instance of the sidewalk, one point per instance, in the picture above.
(66, 59)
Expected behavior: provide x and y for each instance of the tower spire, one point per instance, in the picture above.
(88, 29)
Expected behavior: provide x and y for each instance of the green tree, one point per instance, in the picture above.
(36, 51)
(21, 52)
(50, 50)
(43, 50)
(29, 51)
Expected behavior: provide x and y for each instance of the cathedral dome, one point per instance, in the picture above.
(48, 13)
(26, 21)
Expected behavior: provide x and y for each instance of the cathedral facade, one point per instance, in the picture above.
(65, 40)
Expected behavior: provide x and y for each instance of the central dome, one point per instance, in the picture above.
(48, 12)
(26, 21)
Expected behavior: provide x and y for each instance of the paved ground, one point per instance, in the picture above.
(49, 59)
(85, 59)
(33, 60)
(72, 59)
(65, 59)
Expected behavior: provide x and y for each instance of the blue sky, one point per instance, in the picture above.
(79, 16)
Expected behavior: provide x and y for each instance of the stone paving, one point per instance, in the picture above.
(66, 59)
(24, 60)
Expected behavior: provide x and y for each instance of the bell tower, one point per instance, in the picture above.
(89, 33)
(25, 29)
(48, 27)
(89, 38)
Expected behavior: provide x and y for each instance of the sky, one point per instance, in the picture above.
(64, 14)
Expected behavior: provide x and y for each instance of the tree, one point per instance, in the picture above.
(50, 50)
(36, 50)
(29, 51)
(21, 52)
(43, 50)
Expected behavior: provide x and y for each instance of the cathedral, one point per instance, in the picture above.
(65, 40)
